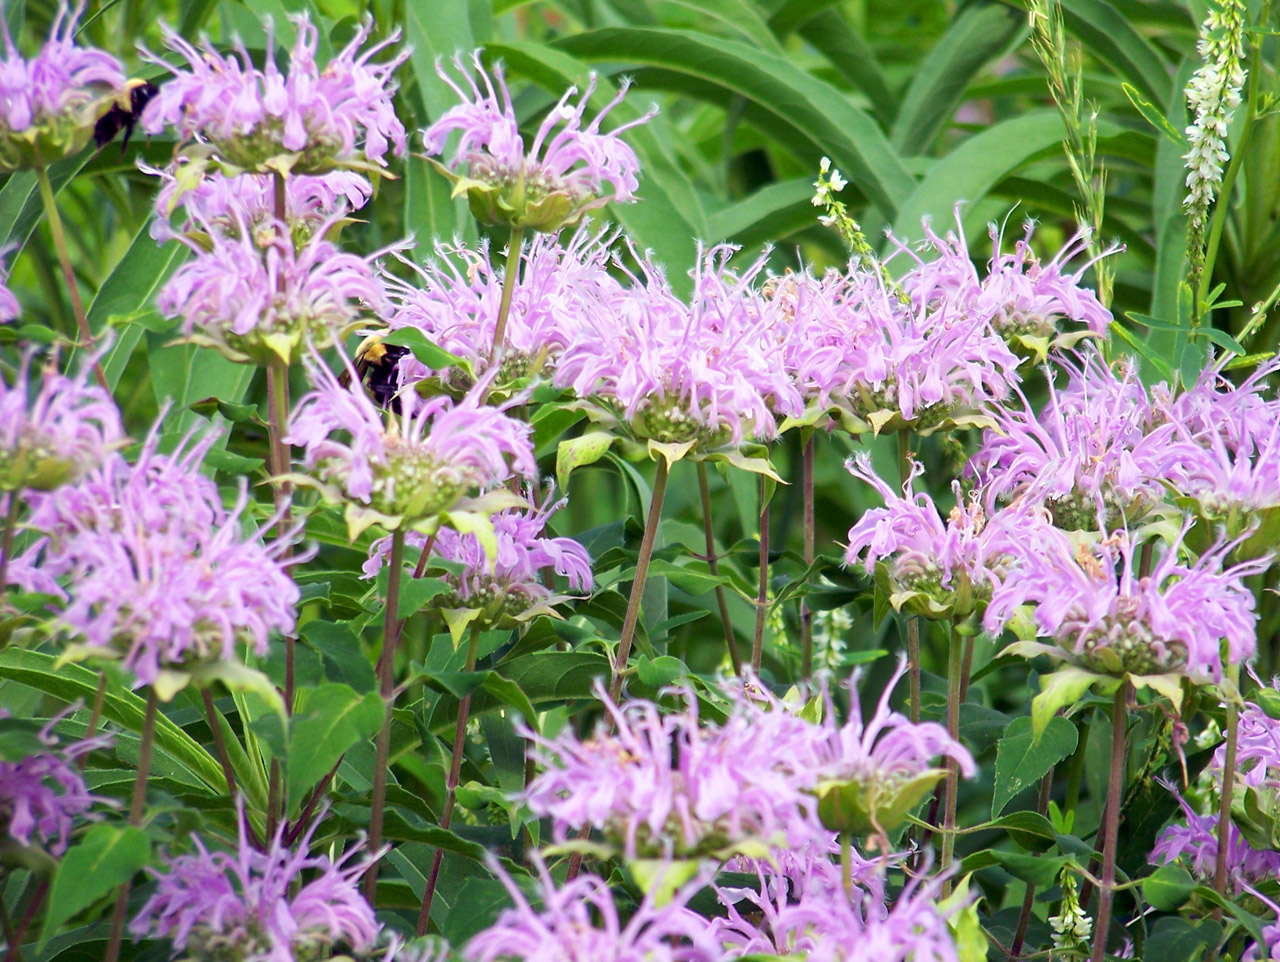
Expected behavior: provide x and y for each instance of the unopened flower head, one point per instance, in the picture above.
(50, 103)
(580, 921)
(550, 184)
(1092, 457)
(939, 568)
(307, 121)
(508, 588)
(211, 200)
(257, 298)
(457, 297)
(281, 905)
(708, 373)
(53, 431)
(411, 465)
(1106, 617)
(667, 785)
(44, 794)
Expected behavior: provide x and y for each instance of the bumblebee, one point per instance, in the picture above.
(124, 112)
(375, 365)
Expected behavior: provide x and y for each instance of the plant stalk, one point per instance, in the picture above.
(386, 687)
(515, 248)
(1228, 784)
(806, 616)
(1111, 823)
(713, 565)
(762, 594)
(24, 923)
(451, 786)
(955, 682)
(136, 808)
(913, 623)
(637, 585)
(68, 274)
(6, 540)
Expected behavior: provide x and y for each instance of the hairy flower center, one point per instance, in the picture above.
(1125, 643)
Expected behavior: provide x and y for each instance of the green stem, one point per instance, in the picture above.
(37, 898)
(954, 683)
(278, 400)
(1228, 784)
(1029, 897)
(6, 540)
(451, 786)
(1111, 823)
(762, 593)
(136, 809)
(846, 864)
(806, 616)
(515, 247)
(637, 585)
(713, 565)
(1075, 771)
(68, 274)
(913, 623)
(386, 686)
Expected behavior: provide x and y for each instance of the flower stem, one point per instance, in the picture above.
(1029, 897)
(278, 400)
(954, 683)
(1228, 783)
(515, 247)
(136, 808)
(68, 274)
(806, 616)
(1111, 822)
(386, 686)
(6, 540)
(846, 864)
(219, 743)
(24, 923)
(913, 623)
(637, 585)
(451, 786)
(713, 564)
(762, 594)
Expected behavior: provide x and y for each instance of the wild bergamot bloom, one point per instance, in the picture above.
(50, 103)
(407, 467)
(557, 179)
(307, 121)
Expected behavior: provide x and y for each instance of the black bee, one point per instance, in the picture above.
(376, 364)
(124, 112)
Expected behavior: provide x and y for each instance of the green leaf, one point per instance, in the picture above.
(1031, 830)
(1110, 36)
(577, 452)
(343, 658)
(76, 683)
(336, 717)
(781, 100)
(106, 857)
(659, 672)
(20, 737)
(1022, 759)
(978, 34)
(1168, 887)
(1181, 939)
(976, 166)
(687, 577)
(1154, 117)
(833, 37)
(1061, 688)
(423, 349)
(416, 592)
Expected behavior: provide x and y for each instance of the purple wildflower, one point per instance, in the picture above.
(308, 121)
(665, 785)
(257, 298)
(43, 794)
(156, 571)
(411, 465)
(858, 351)
(1257, 751)
(274, 906)
(559, 177)
(1025, 299)
(1092, 456)
(9, 306)
(1089, 600)
(709, 372)
(49, 104)
(579, 922)
(508, 588)
(456, 303)
(229, 204)
(52, 437)
(940, 569)
(1195, 842)
(872, 769)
